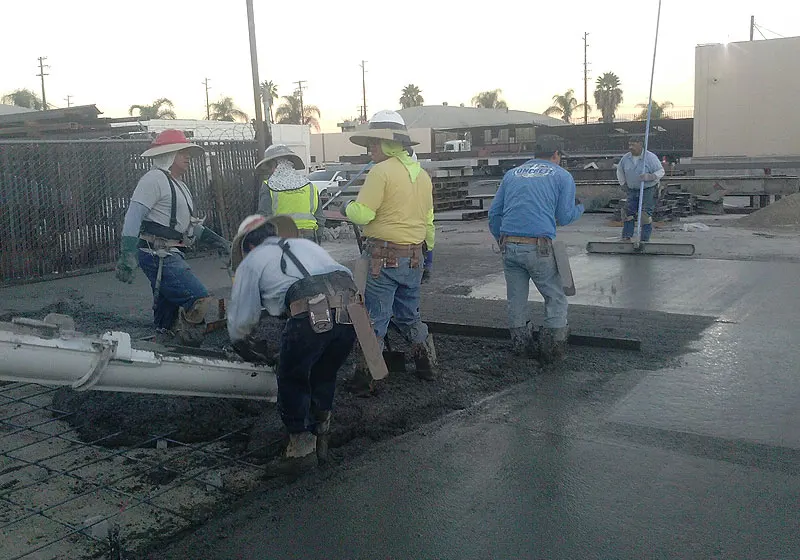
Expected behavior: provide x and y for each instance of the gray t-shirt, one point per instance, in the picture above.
(153, 191)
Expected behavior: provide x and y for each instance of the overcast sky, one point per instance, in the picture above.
(143, 50)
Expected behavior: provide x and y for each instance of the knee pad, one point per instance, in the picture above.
(647, 219)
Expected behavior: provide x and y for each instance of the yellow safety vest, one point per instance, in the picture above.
(299, 204)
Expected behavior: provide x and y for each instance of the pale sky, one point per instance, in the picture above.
(147, 49)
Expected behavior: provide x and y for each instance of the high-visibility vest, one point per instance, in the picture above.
(299, 204)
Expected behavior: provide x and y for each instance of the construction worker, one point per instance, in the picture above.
(286, 192)
(298, 279)
(160, 222)
(395, 208)
(531, 200)
(632, 169)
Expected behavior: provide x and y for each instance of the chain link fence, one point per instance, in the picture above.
(62, 203)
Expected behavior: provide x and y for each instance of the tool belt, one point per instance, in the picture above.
(544, 245)
(156, 243)
(385, 254)
(323, 297)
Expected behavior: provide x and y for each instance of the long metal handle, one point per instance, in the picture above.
(347, 184)
(647, 126)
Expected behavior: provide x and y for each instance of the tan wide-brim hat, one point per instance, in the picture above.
(172, 141)
(284, 227)
(277, 151)
(363, 138)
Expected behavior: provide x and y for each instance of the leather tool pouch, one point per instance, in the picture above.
(319, 314)
(543, 247)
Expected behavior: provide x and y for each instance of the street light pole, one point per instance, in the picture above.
(262, 138)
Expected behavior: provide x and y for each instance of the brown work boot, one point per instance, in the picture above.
(323, 431)
(424, 354)
(298, 458)
(552, 344)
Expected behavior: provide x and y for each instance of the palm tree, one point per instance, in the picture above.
(269, 93)
(24, 98)
(608, 95)
(155, 110)
(226, 110)
(490, 100)
(564, 105)
(412, 97)
(289, 112)
(659, 110)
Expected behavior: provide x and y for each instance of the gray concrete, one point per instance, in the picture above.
(699, 460)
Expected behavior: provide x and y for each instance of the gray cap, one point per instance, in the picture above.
(277, 151)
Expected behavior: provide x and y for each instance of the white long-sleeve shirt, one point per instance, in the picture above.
(260, 283)
(654, 166)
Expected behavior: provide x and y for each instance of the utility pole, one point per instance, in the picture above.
(300, 94)
(752, 26)
(364, 90)
(208, 106)
(67, 99)
(585, 80)
(41, 74)
(262, 133)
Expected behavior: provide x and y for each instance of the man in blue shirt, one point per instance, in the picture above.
(531, 200)
(632, 169)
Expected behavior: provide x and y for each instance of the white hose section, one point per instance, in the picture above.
(83, 362)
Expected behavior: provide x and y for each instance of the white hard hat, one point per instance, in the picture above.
(384, 125)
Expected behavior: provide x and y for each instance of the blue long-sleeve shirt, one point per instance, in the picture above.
(532, 199)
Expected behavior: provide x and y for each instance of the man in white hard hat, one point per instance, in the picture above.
(287, 192)
(160, 222)
(299, 279)
(395, 208)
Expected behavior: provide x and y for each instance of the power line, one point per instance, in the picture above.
(760, 27)
(42, 74)
(759, 32)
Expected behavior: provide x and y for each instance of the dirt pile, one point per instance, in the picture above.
(783, 213)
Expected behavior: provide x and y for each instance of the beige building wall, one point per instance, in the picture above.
(329, 147)
(746, 97)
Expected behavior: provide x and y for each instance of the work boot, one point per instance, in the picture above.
(424, 354)
(520, 341)
(323, 432)
(361, 384)
(190, 325)
(552, 344)
(298, 458)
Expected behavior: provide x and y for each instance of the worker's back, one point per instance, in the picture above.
(532, 198)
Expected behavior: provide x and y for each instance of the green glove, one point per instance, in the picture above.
(128, 259)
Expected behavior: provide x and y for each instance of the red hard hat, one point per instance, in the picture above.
(171, 141)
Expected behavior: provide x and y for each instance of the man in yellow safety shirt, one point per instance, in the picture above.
(395, 208)
(286, 192)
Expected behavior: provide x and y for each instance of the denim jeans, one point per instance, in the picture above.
(648, 207)
(521, 264)
(395, 293)
(179, 286)
(307, 369)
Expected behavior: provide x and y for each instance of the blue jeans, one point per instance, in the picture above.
(395, 292)
(523, 263)
(632, 212)
(307, 370)
(179, 287)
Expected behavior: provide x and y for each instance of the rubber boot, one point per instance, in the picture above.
(520, 341)
(323, 432)
(361, 384)
(627, 229)
(647, 230)
(298, 458)
(424, 354)
(552, 344)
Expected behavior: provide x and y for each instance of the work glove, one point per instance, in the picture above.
(427, 267)
(128, 260)
(249, 350)
(208, 237)
(647, 177)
